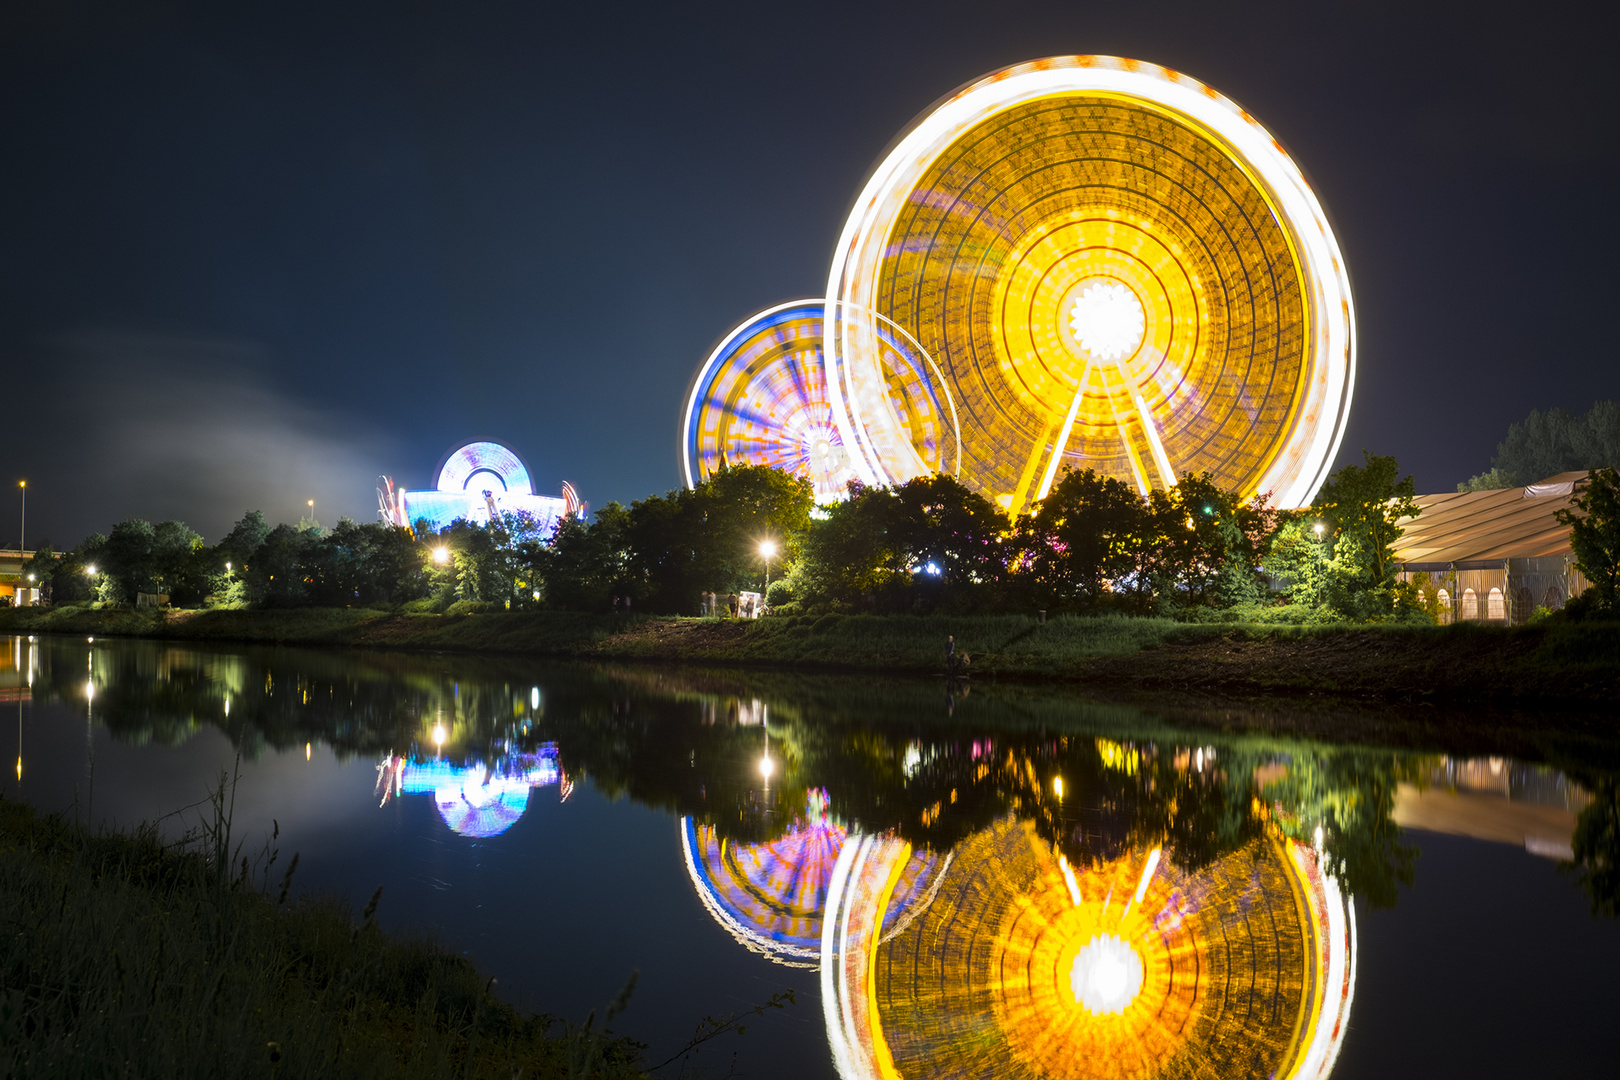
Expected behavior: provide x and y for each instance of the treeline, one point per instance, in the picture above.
(1544, 444)
(929, 545)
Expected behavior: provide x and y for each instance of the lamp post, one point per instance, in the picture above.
(767, 548)
(22, 529)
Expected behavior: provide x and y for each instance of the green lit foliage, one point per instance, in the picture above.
(1594, 534)
(1360, 505)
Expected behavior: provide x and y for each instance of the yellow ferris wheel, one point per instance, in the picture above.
(1114, 267)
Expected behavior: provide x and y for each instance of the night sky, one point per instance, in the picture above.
(255, 254)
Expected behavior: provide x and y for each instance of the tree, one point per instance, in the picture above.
(1360, 505)
(1594, 534)
(585, 564)
(1205, 545)
(244, 539)
(1546, 443)
(929, 543)
(707, 538)
(1085, 542)
(1596, 847)
(278, 575)
(1495, 480)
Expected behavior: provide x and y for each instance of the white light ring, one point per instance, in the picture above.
(1301, 465)
(868, 457)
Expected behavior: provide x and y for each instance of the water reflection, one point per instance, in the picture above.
(474, 799)
(1001, 885)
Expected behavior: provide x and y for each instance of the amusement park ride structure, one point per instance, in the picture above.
(1082, 261)
(477, 482)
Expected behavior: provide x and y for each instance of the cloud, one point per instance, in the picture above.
(190, 428)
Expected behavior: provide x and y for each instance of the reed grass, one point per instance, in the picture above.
(121, 955)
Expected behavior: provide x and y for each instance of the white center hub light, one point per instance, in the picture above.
(1106, 320)
(1106, 976)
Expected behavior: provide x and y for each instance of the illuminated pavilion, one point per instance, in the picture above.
(476, 482)
(1024, 966)
(1097, 263)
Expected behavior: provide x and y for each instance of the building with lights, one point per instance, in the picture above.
(477, 482)
(1494, 556)
(1082, 261)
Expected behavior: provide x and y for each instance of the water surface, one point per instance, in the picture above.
(950, 881)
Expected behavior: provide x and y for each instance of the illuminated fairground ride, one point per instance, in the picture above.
(771, 896)
(477, 482)
(761, 399)
(1116, 268)
(1109, 264)
(476, 799)
(1023, 965)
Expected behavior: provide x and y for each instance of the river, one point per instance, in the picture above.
(949, 880)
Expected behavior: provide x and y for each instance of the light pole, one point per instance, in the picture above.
(22, 538)
(767, 548)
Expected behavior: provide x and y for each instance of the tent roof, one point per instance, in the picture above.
(1513, 523)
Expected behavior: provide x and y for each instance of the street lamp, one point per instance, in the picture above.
(22, 530)
(767, 548)
(441, 555)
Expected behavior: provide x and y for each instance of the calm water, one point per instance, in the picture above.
(996, 883)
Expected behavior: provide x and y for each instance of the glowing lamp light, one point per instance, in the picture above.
(767, 548)
(766, 766)
(438, 735)
(91, 569)
(1319, 527)
(227, 567)
(534, 697)
(441, 555)
(89, 692)
(1057, 786)
(307, 750)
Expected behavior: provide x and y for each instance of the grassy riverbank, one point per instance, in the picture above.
(1555, 663)
(120, 955)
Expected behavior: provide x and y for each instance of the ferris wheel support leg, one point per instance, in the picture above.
(1161, 460)
(1063, 435)
(1138, 471)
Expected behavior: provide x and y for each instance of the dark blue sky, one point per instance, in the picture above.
(253, 254)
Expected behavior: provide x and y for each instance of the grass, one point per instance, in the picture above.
(1550, 662)
(126, 956)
